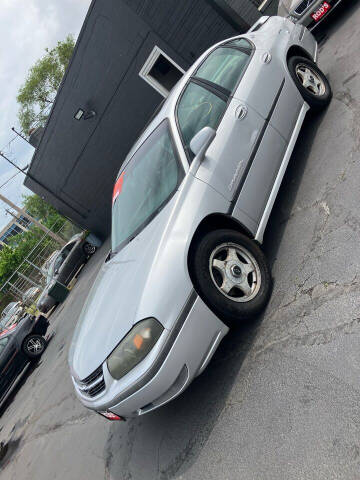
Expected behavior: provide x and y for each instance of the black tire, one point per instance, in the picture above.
(89, 249)
(315, 101)
(33, 346)
(207, 283)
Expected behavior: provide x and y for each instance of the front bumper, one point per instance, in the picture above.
(306, 18)
(189, 347)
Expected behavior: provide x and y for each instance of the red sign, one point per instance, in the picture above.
(118, 187)
(322, 10)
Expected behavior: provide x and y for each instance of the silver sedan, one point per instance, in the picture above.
(190, 207)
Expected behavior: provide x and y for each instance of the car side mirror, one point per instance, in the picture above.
(201, 142)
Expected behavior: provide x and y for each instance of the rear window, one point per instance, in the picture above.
(144, 186)
(224, 67)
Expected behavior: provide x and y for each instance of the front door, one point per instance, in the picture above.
(245, 146)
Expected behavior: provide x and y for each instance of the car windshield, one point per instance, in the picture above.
(3, 342)
(144, 186)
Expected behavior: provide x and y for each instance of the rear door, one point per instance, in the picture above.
(267, 86)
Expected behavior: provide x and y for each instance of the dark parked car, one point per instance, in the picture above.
(63, 266)
(21, 340)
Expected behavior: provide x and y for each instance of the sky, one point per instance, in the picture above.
(27, 27)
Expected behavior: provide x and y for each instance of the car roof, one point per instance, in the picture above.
(169, 104)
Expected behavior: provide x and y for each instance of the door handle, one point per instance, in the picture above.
(241, 112)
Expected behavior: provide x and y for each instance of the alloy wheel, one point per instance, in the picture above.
(310, 79)
(89, 249)
(34, 345)
(235, 272)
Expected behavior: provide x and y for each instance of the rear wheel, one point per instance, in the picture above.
(33, 346)
(89, 249)
(311, 82)
(231, 275)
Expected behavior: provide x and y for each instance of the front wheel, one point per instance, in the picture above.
(311, 82)
(33, 346)
(231, 275)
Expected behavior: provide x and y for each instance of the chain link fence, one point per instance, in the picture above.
(28, 280)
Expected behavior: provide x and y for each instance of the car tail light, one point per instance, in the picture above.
(111, 416)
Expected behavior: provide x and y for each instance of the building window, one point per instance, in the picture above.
(161, 72)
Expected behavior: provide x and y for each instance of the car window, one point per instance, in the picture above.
(3, 342)
(240, 43)
(145, 185)
(50, 272)
(54, 265)
(198, 108)
(60, 260)
(8, 308)
(224, 67)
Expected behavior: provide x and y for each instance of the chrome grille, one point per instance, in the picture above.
(92, 385)
(300, 9)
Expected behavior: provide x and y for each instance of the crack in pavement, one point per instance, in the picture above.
(47, 430)
(319, 337)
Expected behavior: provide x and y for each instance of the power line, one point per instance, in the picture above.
(9, 179)
(35, 124)
(22, 170)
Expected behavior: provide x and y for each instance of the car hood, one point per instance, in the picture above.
(8, 331)
(112, 305)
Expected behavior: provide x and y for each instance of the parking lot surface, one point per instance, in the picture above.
(281, 397)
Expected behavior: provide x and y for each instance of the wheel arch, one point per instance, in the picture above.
(297, 51)
(214, 221)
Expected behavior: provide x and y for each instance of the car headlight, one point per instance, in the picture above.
(134, 347)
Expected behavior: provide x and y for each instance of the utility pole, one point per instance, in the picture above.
(24, 213)
(21, 211)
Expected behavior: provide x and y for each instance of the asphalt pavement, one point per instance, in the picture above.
(281, 398)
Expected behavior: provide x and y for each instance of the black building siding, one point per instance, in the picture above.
(77, 161)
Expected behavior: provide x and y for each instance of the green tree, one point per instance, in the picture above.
(43, 80)
(37, 207)
(43, 211)
(17, 250)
